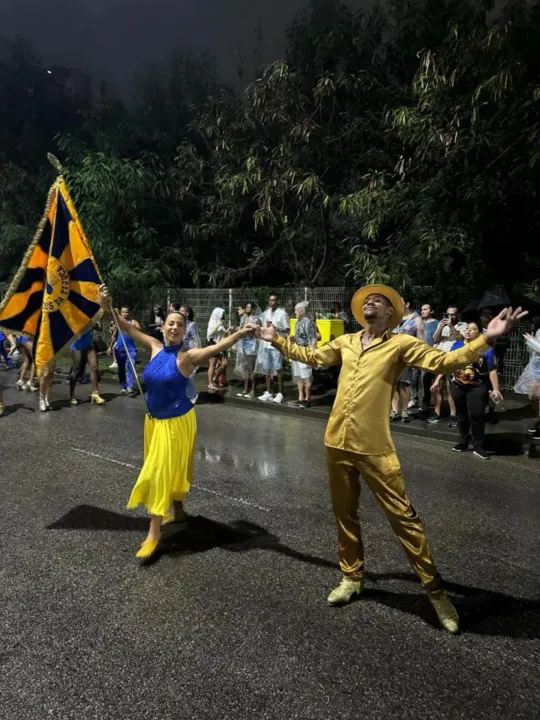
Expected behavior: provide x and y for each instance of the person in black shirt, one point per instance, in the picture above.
(470, 390)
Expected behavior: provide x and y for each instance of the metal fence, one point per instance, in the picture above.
(204, 301)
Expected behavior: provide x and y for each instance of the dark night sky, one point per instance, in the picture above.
(113, 38)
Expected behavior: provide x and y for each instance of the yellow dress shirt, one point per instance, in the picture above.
(360, 418)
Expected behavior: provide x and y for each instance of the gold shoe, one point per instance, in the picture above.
(446, 612)
(73, 401)
(147, 549)
(345, 591)
(95, 397)
(2, 408)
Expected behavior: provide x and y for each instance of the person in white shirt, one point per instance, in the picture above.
(269, 360)
(450, 330)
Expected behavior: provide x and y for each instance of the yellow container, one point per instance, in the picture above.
(328, 329)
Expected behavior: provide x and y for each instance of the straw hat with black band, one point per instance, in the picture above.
(393, 297)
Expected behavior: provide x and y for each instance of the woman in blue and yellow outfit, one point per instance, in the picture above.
(170, 429)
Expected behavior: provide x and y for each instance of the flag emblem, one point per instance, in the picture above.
(56, 287)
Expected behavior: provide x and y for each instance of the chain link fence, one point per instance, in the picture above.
(203, 302)
(512, 356)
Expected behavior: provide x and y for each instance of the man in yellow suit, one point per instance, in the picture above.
(358, 441)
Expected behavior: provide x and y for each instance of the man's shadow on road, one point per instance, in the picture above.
(481, 612)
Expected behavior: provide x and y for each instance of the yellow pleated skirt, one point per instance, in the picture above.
(167, 473)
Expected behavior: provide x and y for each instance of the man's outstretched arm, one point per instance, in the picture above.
(325, 356)
(416, 354)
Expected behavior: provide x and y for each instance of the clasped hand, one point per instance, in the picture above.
(266, 333)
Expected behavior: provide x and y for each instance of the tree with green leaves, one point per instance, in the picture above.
(459, 203)
(396, 144)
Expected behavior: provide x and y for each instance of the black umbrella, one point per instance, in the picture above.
(527, 303)
(495, 300)
(490, 299)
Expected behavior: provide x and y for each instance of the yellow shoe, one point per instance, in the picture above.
(446, 612)
(345, 591)
(73, 401)
(95, 397)
(147, 549)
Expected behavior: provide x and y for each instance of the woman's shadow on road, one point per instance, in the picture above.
(201, 534)
(482, 612)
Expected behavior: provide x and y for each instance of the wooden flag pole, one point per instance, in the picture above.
(128, 356)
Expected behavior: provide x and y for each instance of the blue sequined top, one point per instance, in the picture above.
(166, 386)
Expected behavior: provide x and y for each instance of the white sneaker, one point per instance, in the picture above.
(20, 384)
(114, 366)
(42, 404)
(266, 397)
(278, 399)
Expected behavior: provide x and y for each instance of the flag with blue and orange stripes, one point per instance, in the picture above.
(53, 298)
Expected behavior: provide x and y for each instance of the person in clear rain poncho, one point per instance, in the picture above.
(247, 349)
(529, 381)
(215, 333)
(305, 335)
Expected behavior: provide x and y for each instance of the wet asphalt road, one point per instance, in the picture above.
(231, 621)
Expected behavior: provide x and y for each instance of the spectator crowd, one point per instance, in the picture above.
(471, 393)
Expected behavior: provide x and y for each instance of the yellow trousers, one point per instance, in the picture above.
(383, 476)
